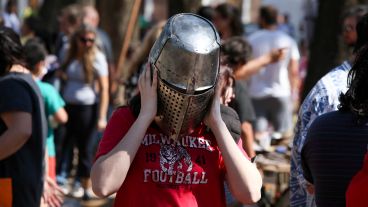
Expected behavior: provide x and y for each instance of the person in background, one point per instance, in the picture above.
(23, 128)
(1, 21)
(70, 18)
(336, 142)
(274, 86)
(163, 150)
(10, 16)
(35, 55)
(235, 52)
(207, 12)
(103, 42)
(29, 28)
(227, 20)
(321, 99)
(285, 25)
(85, 92)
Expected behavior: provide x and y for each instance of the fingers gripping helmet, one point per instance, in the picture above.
(186, 56)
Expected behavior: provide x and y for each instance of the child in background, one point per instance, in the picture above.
(35, 55)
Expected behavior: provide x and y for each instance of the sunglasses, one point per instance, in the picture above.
(86, 40)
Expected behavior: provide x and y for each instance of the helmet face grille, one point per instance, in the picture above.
(181, 112)
(171, 106)
(196, 110)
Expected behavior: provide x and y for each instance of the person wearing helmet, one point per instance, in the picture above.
(170, 146)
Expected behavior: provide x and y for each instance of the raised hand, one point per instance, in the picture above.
(148, 91)
(278, 54)
(213, 115)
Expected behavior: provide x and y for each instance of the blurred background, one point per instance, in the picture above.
(308, 17)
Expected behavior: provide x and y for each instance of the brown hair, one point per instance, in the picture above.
(268, 14)
(88, 56)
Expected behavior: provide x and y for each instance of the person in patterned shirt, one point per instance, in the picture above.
(321, 99)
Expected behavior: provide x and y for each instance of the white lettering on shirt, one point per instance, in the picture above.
(159, 176)
(187, 141)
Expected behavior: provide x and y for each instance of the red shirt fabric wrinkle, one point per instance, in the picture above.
(189, 172)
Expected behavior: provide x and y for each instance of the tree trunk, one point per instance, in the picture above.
(327, 49)
(114, 15)
(324, 45)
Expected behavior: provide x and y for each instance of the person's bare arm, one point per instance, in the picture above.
(61, 117)
(248, 138)
(109, 171)
(103, 82)
(255, 65)
(19, 130)
(243, 176)
(294, 78)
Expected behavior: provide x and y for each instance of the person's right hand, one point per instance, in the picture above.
(213, 116)
(148, 92)
(52, 194)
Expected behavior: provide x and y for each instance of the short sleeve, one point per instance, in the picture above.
(240, 146)
(100, 64)
(53, 100)
(14, 97)
(294, 51)
(118, 125)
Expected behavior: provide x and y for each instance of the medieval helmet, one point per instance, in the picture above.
(186, 56)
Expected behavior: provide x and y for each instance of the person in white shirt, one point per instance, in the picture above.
(10, 16)
(273, 88)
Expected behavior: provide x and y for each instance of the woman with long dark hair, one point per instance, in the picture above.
(337, 141)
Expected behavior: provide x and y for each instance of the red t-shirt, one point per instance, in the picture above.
(188, 173)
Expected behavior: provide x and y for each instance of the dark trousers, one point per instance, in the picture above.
(79, 133)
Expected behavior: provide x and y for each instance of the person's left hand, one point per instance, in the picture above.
(278, 54)
(147, 85)
(52, 193)
(213, 115)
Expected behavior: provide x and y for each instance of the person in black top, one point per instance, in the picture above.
(236, 52)
(337, 141)
(22, 127)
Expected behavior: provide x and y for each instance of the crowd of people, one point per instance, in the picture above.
(204, 100)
